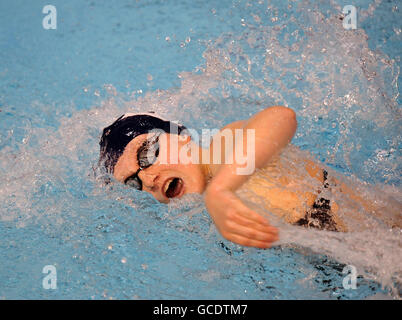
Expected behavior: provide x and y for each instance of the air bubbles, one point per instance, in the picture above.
(110, 89)
(384, 154)
(256, 18)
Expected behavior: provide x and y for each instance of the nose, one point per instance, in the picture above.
(148, 180)
(149, 185)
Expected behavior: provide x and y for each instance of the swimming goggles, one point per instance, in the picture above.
(147, 154)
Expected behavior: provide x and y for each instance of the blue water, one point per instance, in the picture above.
(58, 88)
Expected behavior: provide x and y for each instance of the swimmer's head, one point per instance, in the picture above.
(130, 149)
(120, 133)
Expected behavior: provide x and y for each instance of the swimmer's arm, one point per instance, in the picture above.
(274, 128)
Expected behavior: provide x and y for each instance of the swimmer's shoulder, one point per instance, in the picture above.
(239, 124)
(231, 126)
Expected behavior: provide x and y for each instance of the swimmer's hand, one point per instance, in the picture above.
(236, 222)
(273, 129)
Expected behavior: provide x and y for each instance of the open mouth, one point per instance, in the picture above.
(173, 187)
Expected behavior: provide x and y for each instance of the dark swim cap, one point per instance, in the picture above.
(117, 136)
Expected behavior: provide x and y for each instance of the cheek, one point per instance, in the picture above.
(194, 179)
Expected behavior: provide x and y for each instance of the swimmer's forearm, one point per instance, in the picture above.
(274, 129)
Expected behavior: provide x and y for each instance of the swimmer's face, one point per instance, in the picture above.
(164, 179)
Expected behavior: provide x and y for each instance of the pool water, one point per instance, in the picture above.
(204, 63)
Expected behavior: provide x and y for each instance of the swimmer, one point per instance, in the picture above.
(130, 150)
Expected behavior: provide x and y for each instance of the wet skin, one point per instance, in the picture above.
(274, 128)
(234, 220)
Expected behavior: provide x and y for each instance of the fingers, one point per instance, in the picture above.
(238, 223)
(249, 242)
(266, 228)
(246, 227)
(254, 234)
(250, 232)
(250, 215)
